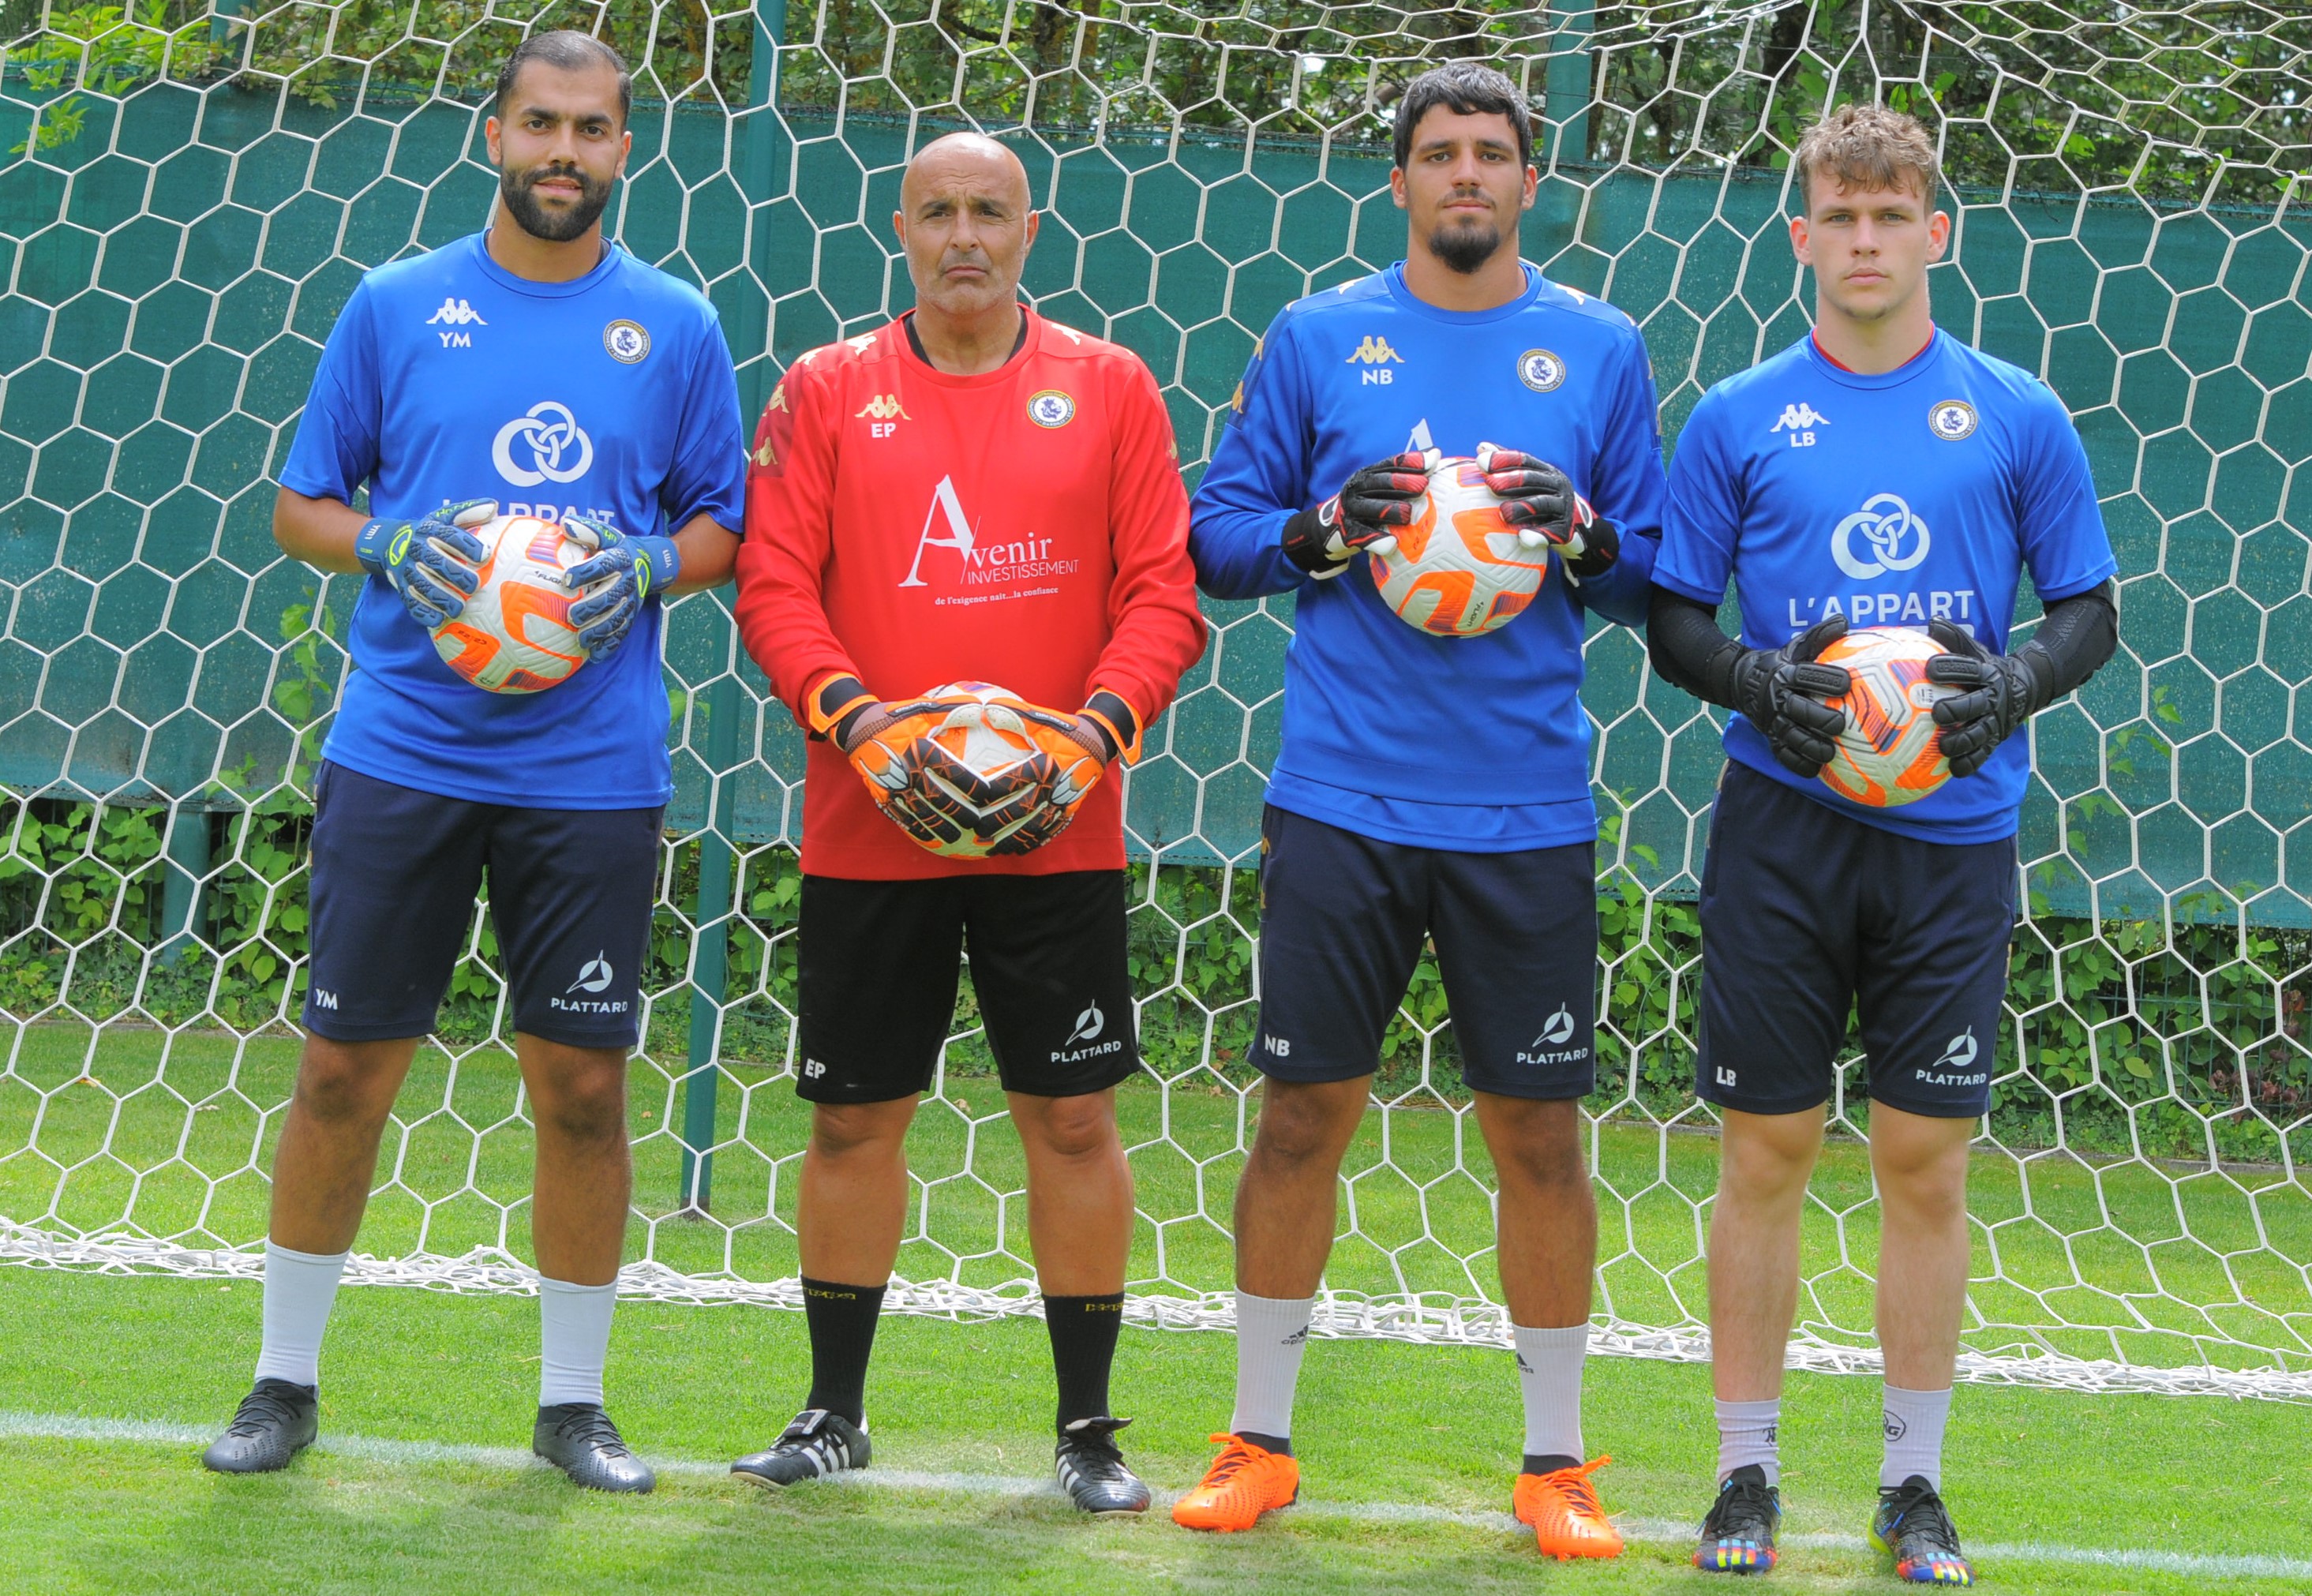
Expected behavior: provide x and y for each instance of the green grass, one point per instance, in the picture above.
(172, 1135)
(1380, 1424)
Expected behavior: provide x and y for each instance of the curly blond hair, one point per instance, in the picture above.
(1868, 146)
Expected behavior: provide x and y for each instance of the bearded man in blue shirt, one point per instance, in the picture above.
(1432, 790)
(535, 359)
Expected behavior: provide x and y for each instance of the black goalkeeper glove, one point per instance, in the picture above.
(1536, 495)
(1780, 691)
(1372, 505)
(2000, 693)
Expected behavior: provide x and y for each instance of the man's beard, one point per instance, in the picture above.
(1465, 246)
(555, 227)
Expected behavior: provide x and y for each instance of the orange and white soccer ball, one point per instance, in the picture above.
(1459, 570)
(1889, 754)
(514, 634)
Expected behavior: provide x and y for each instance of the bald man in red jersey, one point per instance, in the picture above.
(968, 493)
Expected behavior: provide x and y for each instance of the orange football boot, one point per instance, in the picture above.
(1244, 1482)
(1563, 1508)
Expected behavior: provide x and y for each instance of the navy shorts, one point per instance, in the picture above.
(1343, 919)
(1807, 914)
(396, 874)
(877, 975)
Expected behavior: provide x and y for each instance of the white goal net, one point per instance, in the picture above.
(188, 194)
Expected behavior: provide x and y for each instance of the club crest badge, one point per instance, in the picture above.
(1950, 419)
(626, 342)
(1541, 370)
(1051, 407)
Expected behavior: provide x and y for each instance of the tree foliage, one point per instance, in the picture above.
(2200, 100)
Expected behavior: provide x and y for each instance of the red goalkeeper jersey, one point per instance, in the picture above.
(1025, 526)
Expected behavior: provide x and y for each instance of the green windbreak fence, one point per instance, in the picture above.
(173, 268)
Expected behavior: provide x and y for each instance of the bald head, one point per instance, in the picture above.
(966, 223)
(969, 158)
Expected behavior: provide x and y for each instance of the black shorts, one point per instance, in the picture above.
(1807, 913)
(396, 874)
(879, 965)
(1343, 919)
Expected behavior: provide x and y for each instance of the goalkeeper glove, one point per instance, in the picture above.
(1780, 691)
(1537, 496)
(432, 564)
(2003, 692)
(1320, 540)
(944, 804)
(623, 573)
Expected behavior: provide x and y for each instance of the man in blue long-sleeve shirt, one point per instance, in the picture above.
(1429, 787)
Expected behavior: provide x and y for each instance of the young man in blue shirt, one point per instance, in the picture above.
(538, 366)
(1878, 472)
(1430, 788)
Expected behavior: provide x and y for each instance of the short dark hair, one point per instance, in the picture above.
(1470, 88)
(569, 50)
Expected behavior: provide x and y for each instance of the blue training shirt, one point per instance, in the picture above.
(448, 378)
(1471, 744)
(1892, 498)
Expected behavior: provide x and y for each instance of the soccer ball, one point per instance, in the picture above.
(514, 634)
(1021, 789)
(1459, 570)
(1887, 756)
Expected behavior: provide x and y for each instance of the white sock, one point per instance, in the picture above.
(1750, 1433)
(299, 1288)
(1271, 1334)
(1914, 1435)
(574, 1340)
(1549, 1372)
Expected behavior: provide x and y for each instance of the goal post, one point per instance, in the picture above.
(188, 195)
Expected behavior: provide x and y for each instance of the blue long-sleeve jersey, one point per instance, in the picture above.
(1471, 744)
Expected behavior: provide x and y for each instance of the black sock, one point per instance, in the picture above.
(1083, 1347)
(1548, 1462)
(842, 1323)
(1281, 1445)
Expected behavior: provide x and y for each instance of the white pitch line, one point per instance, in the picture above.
(1665, 1532)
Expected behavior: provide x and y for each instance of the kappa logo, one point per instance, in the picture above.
(883, 413)
(1089, 1025)
(1373, 351)
(456, 313)
(1556, 1029)
(1798, 417)
(1895, 538)
(559, 447)
(593, 975)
